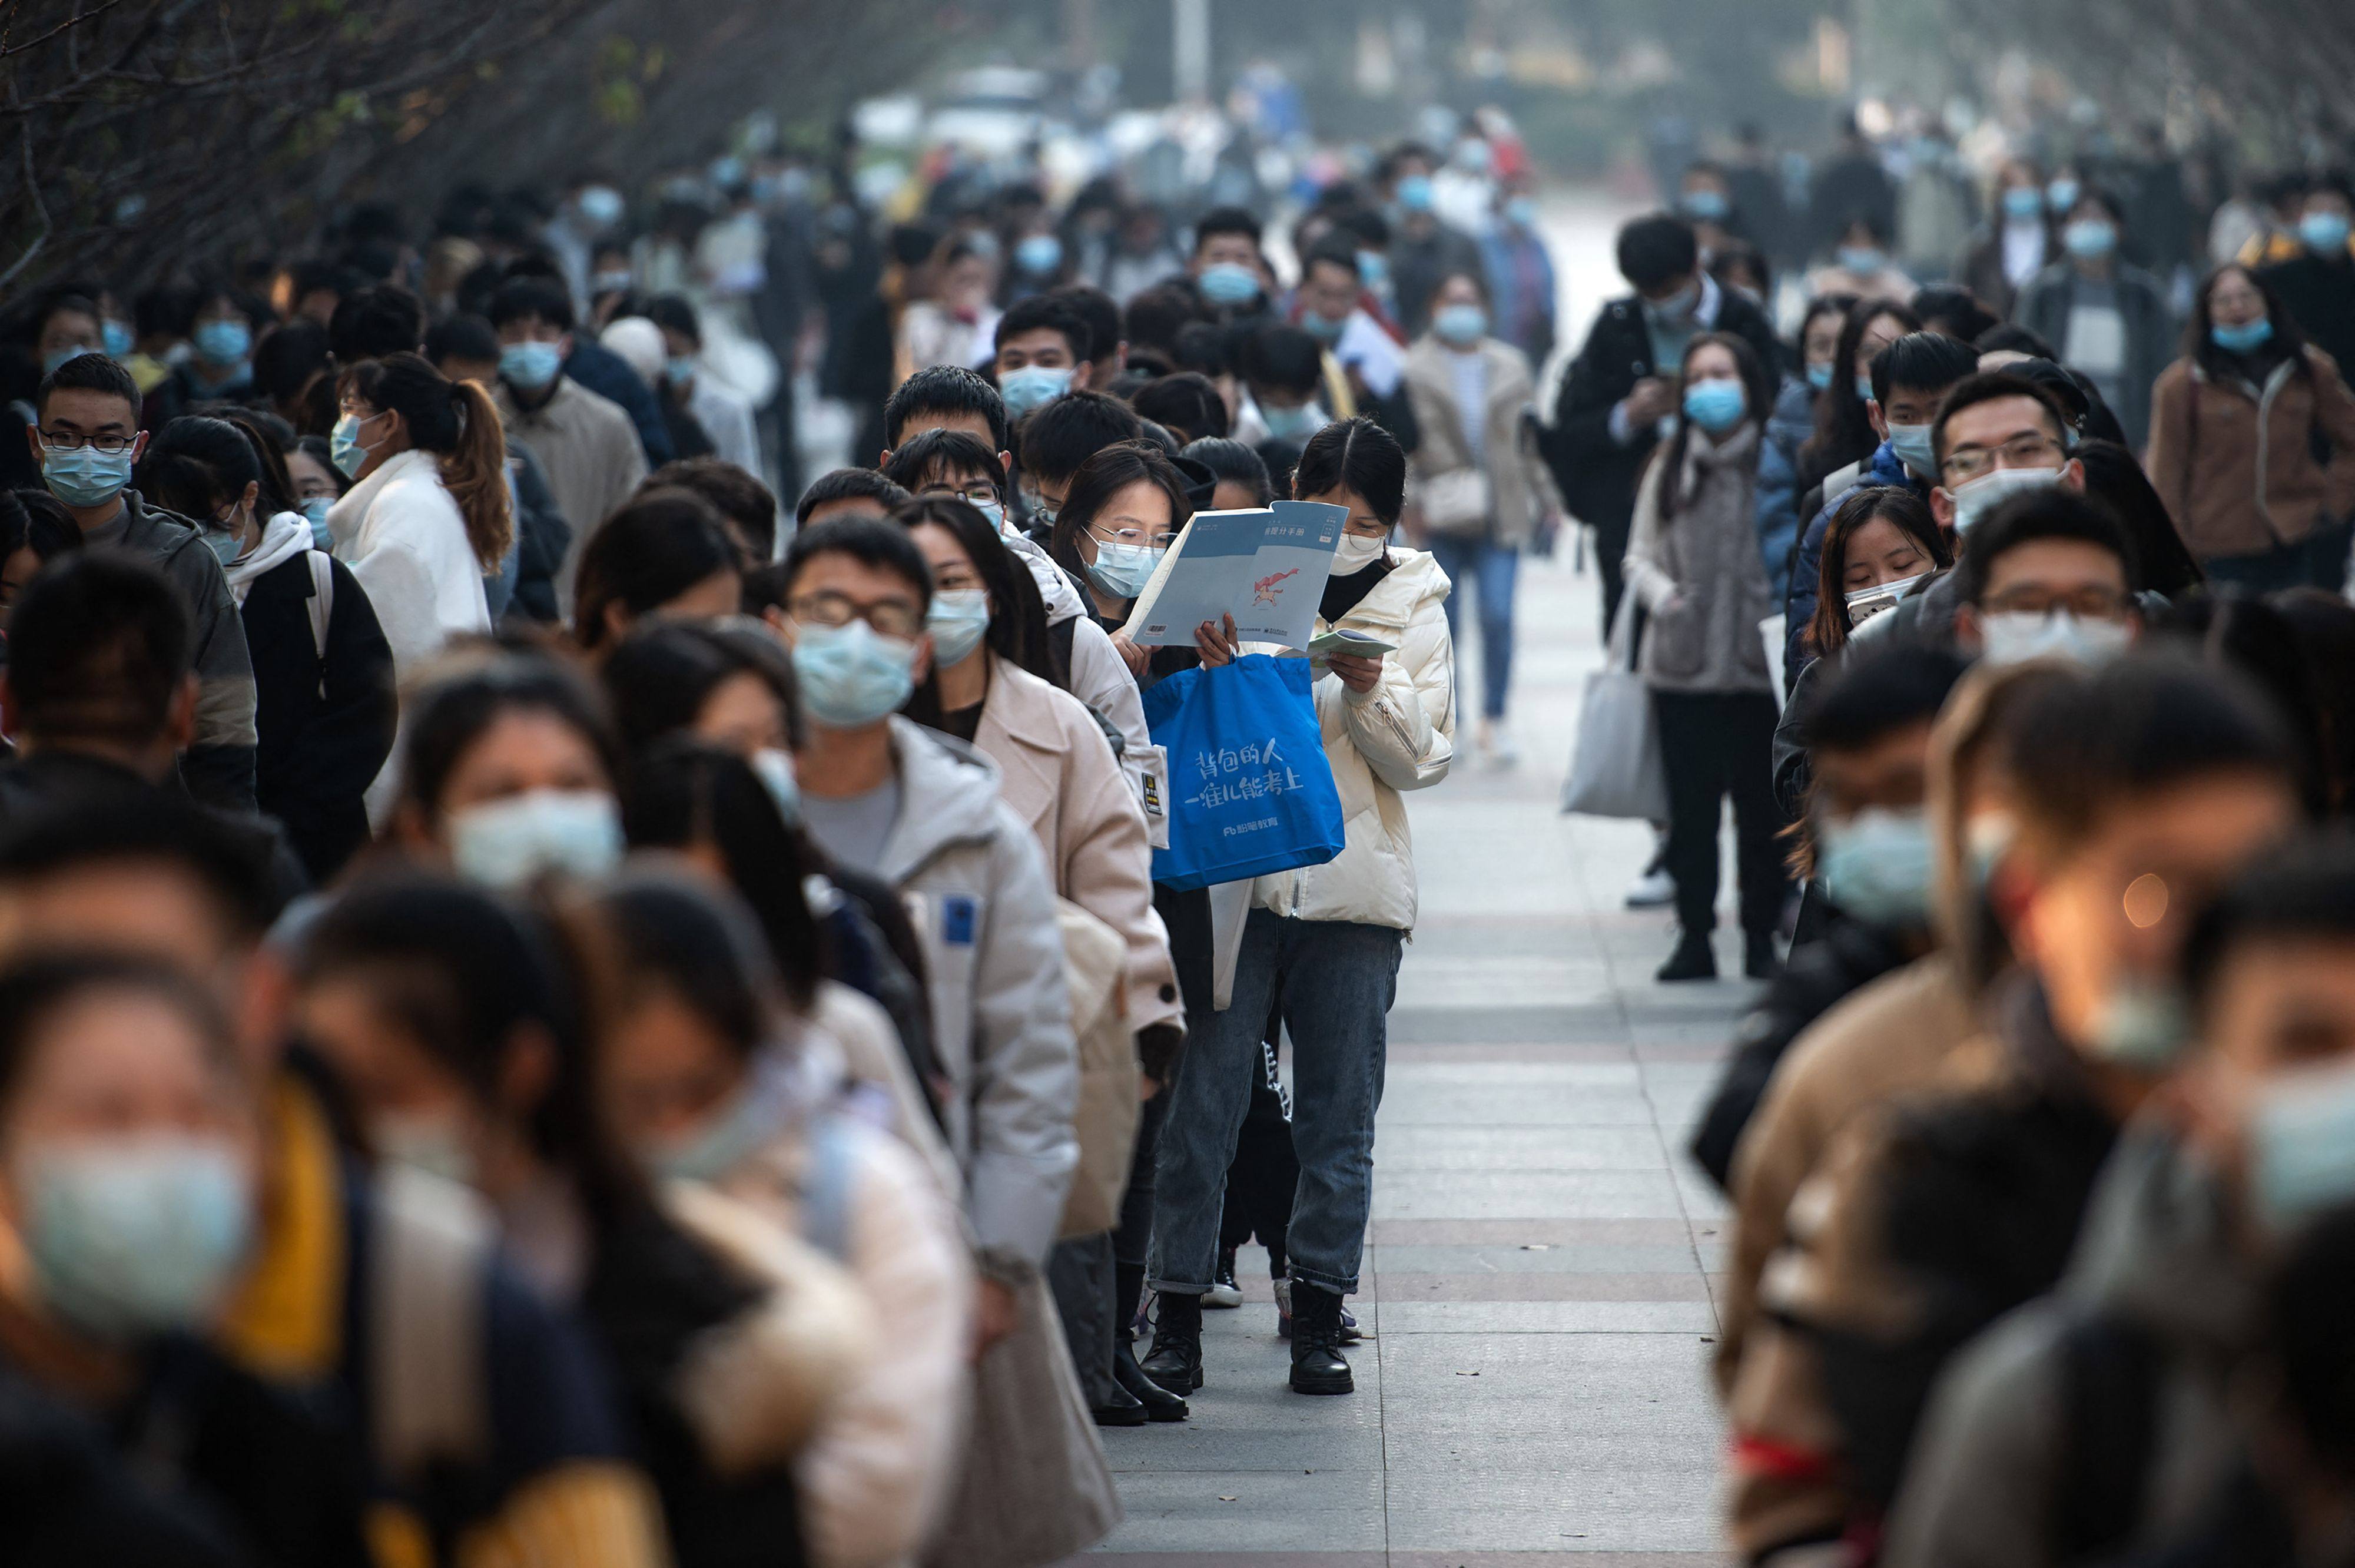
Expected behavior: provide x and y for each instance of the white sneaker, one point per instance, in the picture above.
(1502, 751)
(1654, 889)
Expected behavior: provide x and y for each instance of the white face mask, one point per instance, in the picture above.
(2016, 637)
(1981, 495)
(1356, 552)
(1864, 603)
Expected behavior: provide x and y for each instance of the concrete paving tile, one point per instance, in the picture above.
(1557, 1231)
(1424, 1148)
(1409, 1289)
(1689, 1318)
(1486, 1106)
(1492, 1195)
(1517, 1258)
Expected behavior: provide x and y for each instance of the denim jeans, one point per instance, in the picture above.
(1491, 569)
(1334, 981)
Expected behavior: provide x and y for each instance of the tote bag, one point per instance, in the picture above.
(1250, 790)
(1614, 764)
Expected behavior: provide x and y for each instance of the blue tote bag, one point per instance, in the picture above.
(1250, 790)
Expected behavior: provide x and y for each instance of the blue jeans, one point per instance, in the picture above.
(1334, 981)
(1495, 568)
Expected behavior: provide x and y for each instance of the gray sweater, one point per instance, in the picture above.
(1698, 574)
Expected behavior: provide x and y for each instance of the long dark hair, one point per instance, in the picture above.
(1359, 455)
(1099, 478)
(2288, 340)
(655, 548)
(1843, 429)
(196, 464)
(456, 421)
(1757, 391)
(2162, 563)
(1017, 615)
(1828, 633)
(659, 677)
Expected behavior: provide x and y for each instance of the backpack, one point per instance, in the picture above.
(322, 607)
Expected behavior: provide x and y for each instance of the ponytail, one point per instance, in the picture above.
(475, 474)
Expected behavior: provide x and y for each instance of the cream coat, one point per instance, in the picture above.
(1519, 485)
(406, 543)
(1057, 772)
(1399, 736)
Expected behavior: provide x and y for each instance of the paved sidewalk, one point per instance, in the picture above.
(1538, 1273)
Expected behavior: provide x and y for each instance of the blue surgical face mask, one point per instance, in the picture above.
(1716, 406)
(57, 356)
(1039, 254)
(2090, 239)
(1862, 259)
(1819, 377)
(601, 204)
(852, 675)
(1373, 270)
(1677, 308)
(1323, 328)
(2062, 194)
(2023, 203)
(227, 544)
(118, 338)
(2142, 1024)
(1292, 425)
(344, 446)
(1032, 387)
(531, 366)
(85, 477)
(1912, 446)
(2301, 1139)
(679, 369)
(740, 1127)
(1122, 571)
(1460, 324)
(782, 780)
(1706, 205)
(314, 512)
(2323, 233)
(1415, 194)
(224, 341)
(1863, 388)
(1977, 497)
(1876, 867)
(132, 1237)
(958, 620)
(2245, 339)
(1229, 283)
(1521, 212)
(505, 843)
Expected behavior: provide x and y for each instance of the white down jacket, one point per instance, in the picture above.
(1400, 736)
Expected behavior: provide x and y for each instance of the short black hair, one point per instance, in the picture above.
(1355, 454)
(1655, 250)
(1922, 362)
(1956, 308)
(847, 485)
(1877, 691)
(1989, 387)
(1231, 461)
(1225, 221)
(2304, 893)
(526, 295)
(1187, 400)
(1061, 435)
(373, 322)
(1098, 309)
(99, 647)
(1155, 316)
(939, 451)
(1280, 355)
(1333, 251)
(943, 390)
(461, 338)
(36, 990)
(87, 373)
(739, 498)
(1050, 313)
(872, 541)
(2046, 514)
(230, 862)
(2010, 336)
(675, 313)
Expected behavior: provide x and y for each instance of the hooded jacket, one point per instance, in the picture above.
(983, 908)
(217, 766)
(1994, 1464)
(406, 543)
(1399, 736)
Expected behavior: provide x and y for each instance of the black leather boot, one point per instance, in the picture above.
(1694, 959)
(1175, 1359)
(1124, 1410)
(1758, 960)
(1316, 1363)
(1159, 1404)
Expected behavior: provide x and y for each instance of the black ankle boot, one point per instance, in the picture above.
(1175, 1359)
(1124, 1410)
(1758, 960)
(1159, 1404)
(1694, 959)
(1316, 1363)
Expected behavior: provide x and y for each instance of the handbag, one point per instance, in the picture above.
(1614, 763)
(1456, 502)
(1250, 791)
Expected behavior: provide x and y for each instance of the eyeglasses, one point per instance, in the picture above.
(1130, 536)
(1043, 510)
(891, 618)
(73, 441)
(2092, 603)
(972, 495)
(2031, 448)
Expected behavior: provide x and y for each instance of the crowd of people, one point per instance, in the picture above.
(556, 1007)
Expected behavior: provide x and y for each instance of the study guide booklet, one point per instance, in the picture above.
(1265, 566)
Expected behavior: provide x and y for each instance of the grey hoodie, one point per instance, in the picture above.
(977, 891)
(2156, 1254)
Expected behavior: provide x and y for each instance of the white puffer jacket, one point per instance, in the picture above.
(1400, 736)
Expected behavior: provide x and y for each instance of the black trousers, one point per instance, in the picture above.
(1610, 560)
(1714, 744)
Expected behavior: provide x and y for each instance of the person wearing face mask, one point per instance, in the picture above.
(1477, 480)
(1789, 427)
(2109, 319)
(1692, 564)
(1229, 270)
(323, 702)
(2014, 244)
(1364, 363)
(2161, 1303)
(1617, 392)
(587, 445)
(1119, 516)
(221, 367)
(129, 1178)
(2317, 286)
(1322, 945)
(1859, 264)
(2048, 577)
(1908, 380)
(2237, 425)
(67, 326)
(34, 531)
(1043, 349)
(1283, 368)
(664, 554)
(2135, 793)
(1520, 273)
(455, 1027)
(922, 811)
(1424, 247)
(86, 438)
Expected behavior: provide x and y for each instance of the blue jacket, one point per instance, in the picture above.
(1787, 428)
(1800, 601)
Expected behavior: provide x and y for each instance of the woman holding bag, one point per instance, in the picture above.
(1693, 566)
(1323, 942)
(1477, 484)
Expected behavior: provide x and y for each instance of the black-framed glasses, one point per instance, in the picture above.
(74, 441)
(893, 618)
(2032, 450)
